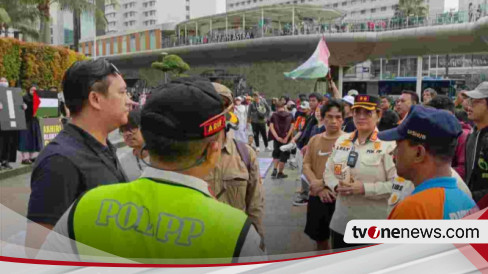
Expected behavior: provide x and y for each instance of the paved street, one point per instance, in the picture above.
(284, 223)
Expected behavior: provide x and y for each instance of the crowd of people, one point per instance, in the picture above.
(192, 188)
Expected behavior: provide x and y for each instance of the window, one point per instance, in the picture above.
(302, 1)
(363, 12)
(254, 1)
(152, 39)
(335, 5)
(383, 8)
(249, 2)
(187, 8)
(353, 13)
(295, 2)
(237, 4)
(344, 4)
(149, 22)
(394, 7)
(124, 44)
(132, 43)
(107, 47)
(373, 10)
(363, 1)
(116, 46)
(231, 5)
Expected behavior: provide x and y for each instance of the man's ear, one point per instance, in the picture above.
(214, 150)
(94, 100)
(421, 154)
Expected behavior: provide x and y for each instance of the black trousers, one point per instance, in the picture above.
(337, 241)
(9, 144)
(259, 129)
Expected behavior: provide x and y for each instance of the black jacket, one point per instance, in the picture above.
(477, 163)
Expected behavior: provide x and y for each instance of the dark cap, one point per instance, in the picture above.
(425, 124)
(183, 110)
(368, 102)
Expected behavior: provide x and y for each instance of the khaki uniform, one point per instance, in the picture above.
(403, 188)
(374, 168)
(236, 186)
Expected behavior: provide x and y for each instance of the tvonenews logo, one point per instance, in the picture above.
(416, 231)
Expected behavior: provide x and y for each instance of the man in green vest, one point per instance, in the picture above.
(169, 212)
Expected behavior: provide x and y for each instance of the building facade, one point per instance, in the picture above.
(138, 14)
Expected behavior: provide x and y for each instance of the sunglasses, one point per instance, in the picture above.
(113, 70)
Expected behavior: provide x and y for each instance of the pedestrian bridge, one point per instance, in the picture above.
(346, 48)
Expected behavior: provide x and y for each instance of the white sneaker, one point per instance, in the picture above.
(288, 147)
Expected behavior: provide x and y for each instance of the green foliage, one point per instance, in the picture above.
(10, 59)
(412, 8)
(173, 64)
(33, 63)
(266, 77)
(20, 16)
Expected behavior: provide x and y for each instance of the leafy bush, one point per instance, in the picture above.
(34, 63)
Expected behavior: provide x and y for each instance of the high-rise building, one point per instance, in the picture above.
(62, 30)
(139, 14)
(353, 9)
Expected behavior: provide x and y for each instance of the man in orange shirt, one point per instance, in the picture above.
(426, 143)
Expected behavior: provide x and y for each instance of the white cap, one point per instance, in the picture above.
(290, 103)
(348, 99)
(353, 92)
(305, 105)
(239, 98)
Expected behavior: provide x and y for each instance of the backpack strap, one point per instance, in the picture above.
(244, 153)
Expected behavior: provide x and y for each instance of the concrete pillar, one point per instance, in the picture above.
(436, 66)
(226, 24)
(429, 65)
(293, 20)
(244, 23)
(186, 33)
(341, 79)
(262, 22)
(419, 76)
(399, 67)
(381, 69)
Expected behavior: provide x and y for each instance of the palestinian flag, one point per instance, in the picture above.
(317, 66)
(46, 104)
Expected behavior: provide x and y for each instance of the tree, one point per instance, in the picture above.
(20, 16)
(171, 63)
(412, 8)
(75, 6)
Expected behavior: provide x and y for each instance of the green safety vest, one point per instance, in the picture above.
(147, 219)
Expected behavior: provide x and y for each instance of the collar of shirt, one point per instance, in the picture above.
(228, 147)
(177, 178)
(373, 137)
(443, 182)
(89, 139)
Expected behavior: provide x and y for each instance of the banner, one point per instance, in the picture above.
(50, 127)
(12, 116)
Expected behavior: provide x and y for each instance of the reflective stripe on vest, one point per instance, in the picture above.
(157, 220)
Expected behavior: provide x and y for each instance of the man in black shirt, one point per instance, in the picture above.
(477, 145)
(80, 157)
